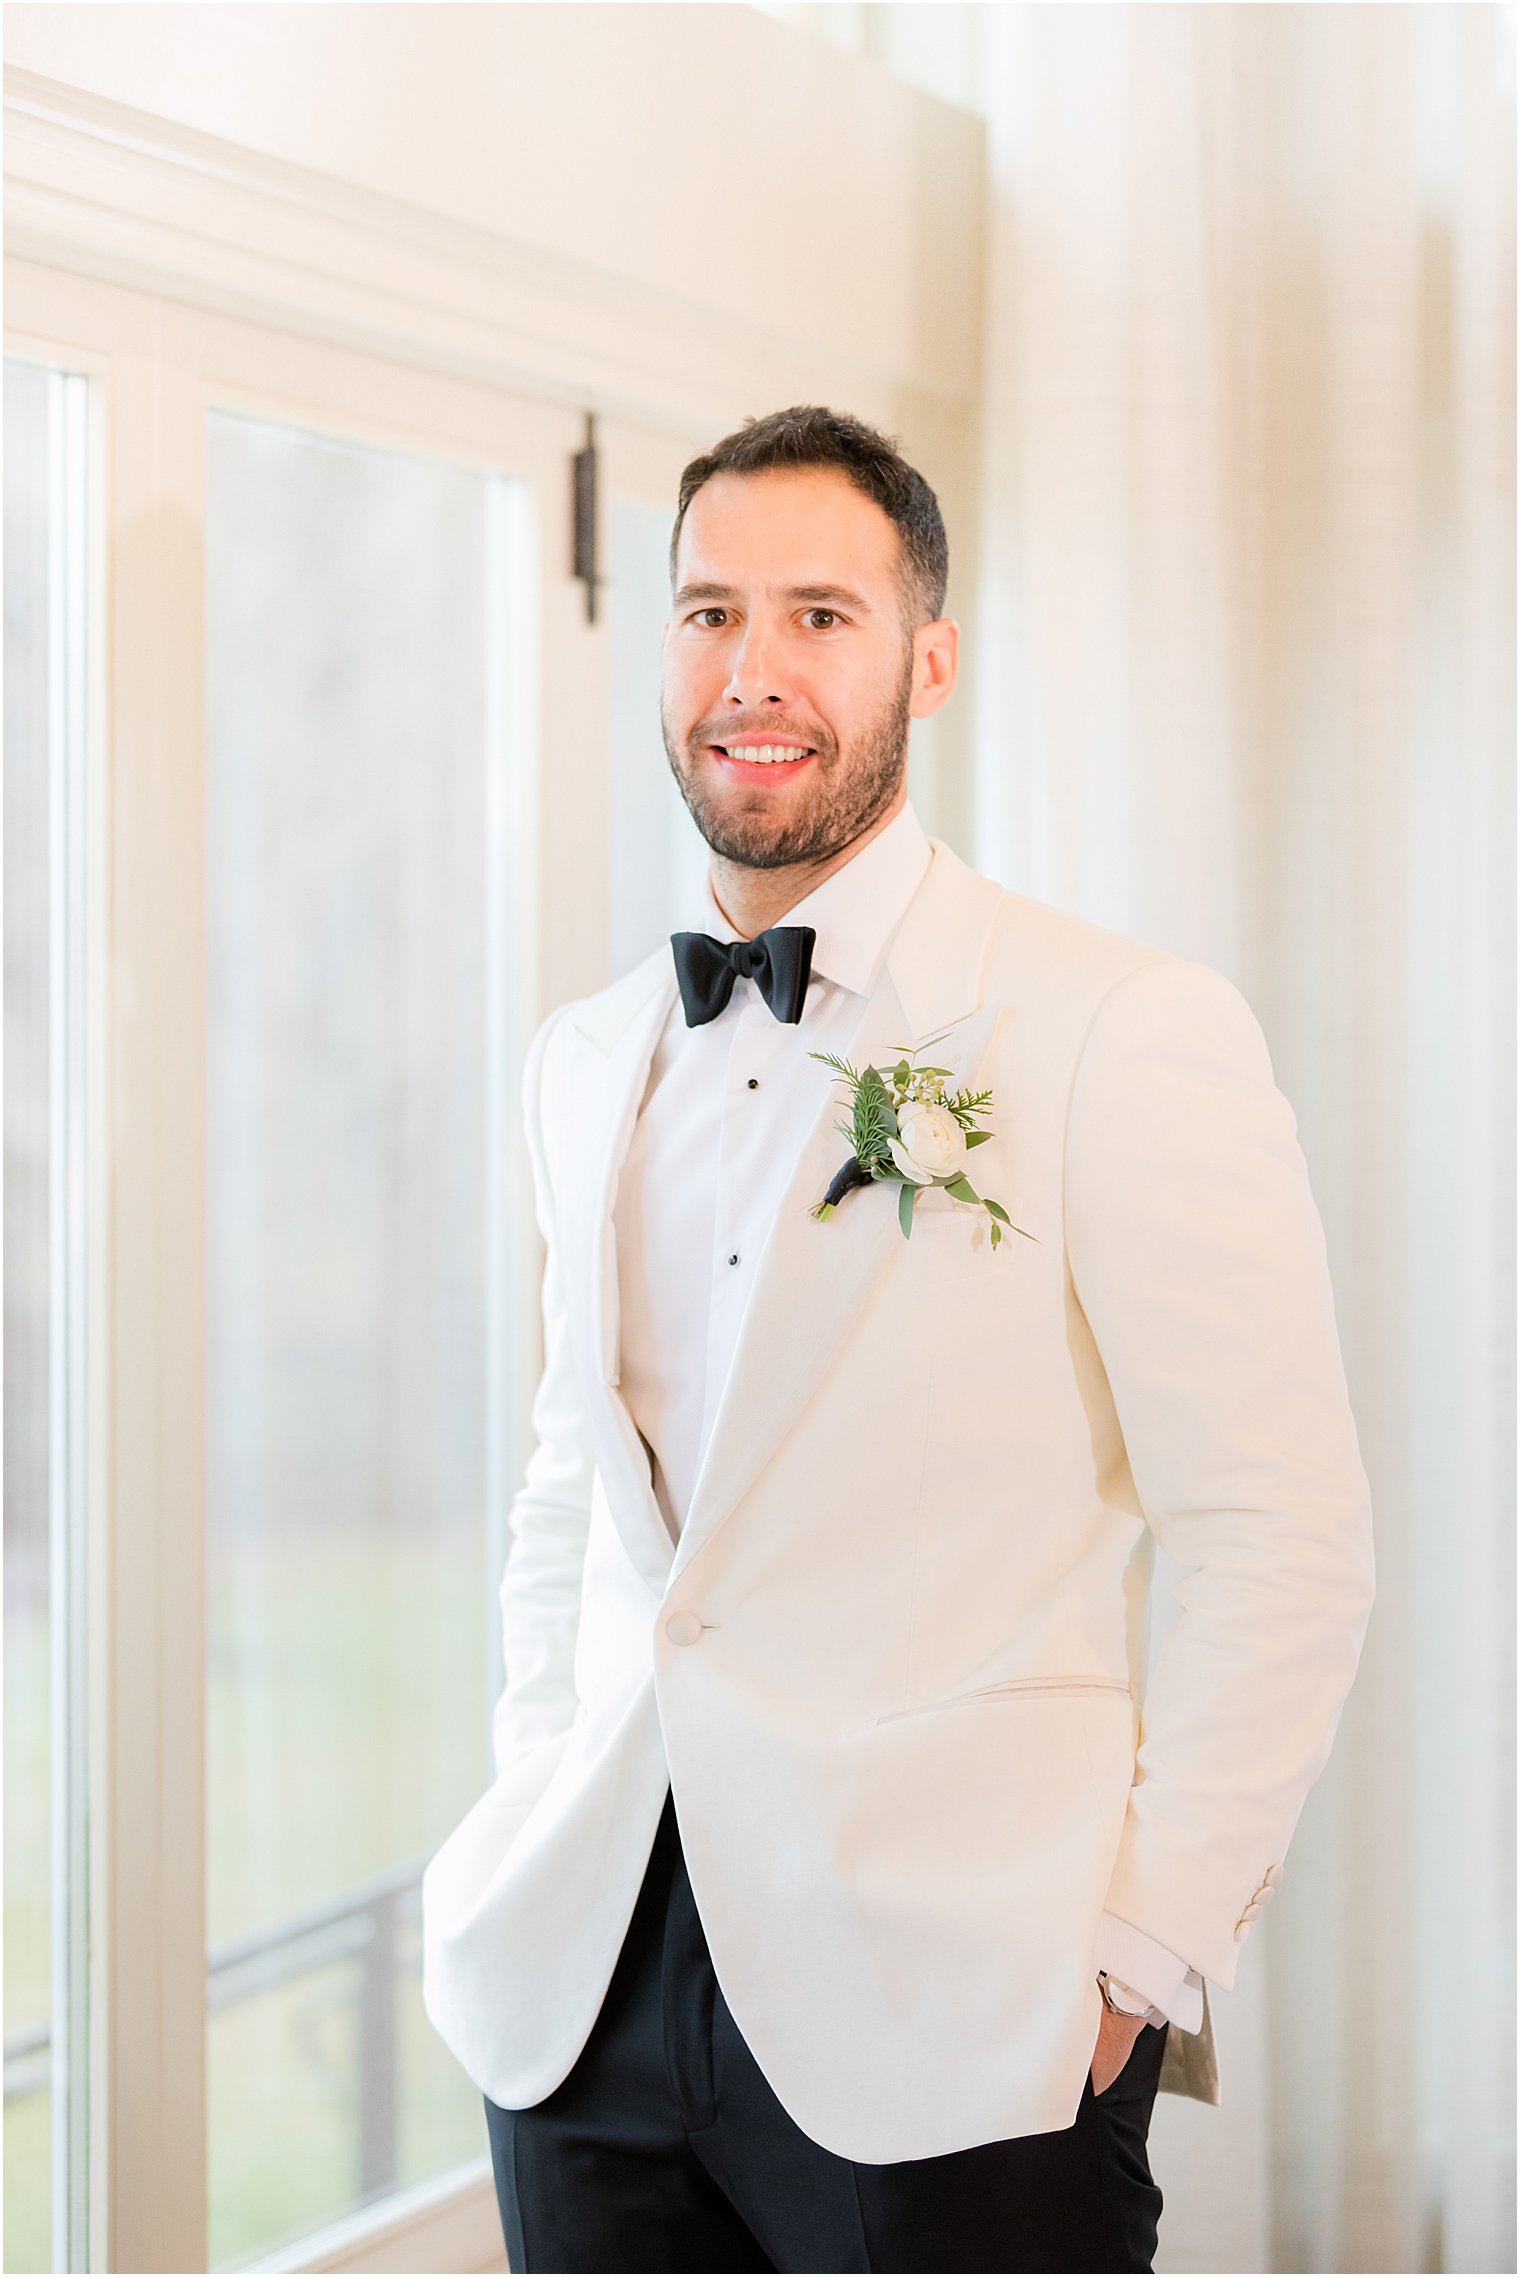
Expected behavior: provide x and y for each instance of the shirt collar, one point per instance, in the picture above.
(856, 910)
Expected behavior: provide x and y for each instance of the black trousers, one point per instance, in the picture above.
(665, 2149)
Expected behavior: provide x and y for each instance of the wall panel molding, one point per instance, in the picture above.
(126, 197)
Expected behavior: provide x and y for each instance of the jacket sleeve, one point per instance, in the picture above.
(1199, 1261)
(540, 1589)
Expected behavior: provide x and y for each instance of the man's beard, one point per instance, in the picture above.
(843, 798)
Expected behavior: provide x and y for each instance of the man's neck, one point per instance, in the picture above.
(752, 899)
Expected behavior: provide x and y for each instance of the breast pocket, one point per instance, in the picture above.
(947, 1230)
(934, 1202)
(1010, 1687)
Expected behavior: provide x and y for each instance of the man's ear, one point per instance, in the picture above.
(936, 653)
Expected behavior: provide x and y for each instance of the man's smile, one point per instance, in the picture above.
(749, 759)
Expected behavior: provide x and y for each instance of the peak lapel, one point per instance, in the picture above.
(617, 1035)
(812, 1278)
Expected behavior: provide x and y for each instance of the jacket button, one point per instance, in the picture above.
(684, 1628)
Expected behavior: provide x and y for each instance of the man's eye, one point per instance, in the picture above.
(712, 612)
(831, 613)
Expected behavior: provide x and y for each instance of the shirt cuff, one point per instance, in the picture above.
(1132, 1958)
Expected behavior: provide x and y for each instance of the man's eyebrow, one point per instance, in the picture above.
(818, 595)
(840, 593)
(705, 593)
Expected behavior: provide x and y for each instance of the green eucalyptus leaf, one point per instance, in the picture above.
(961, 1189)
(977, 1138)
(998, 1211)
(905, 1201)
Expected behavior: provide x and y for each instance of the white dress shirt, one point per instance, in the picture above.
(725, 1112)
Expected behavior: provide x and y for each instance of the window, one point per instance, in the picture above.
(359, 1113)
(343, 744)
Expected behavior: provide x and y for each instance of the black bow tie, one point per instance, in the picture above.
(779, 961)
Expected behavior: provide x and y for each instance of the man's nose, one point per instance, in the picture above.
(758, 672)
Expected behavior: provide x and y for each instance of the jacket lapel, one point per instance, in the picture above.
(618, 1031)
(810, 1278)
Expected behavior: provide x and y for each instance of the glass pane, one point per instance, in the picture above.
(356, 625)
(658, 857)
(45, 1931)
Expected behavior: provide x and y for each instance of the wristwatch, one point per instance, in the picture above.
(1125, 2001)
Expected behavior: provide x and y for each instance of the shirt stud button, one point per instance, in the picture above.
(754, 1083)
(733, 1257)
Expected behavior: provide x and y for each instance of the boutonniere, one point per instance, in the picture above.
(905, 1129)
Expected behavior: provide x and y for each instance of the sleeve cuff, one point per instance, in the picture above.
(1135, 1959)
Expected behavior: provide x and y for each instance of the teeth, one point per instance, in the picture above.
(766, 754)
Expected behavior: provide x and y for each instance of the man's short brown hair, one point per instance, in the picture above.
(809, 434)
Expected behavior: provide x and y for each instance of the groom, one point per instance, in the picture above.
(847, 1885)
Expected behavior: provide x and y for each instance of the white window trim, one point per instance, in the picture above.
(156, 368)
(98, 188)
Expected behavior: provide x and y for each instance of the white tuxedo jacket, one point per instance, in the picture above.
(894, 1666)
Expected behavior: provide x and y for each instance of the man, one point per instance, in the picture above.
(845, 1882)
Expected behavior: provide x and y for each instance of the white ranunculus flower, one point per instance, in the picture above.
(932, 1144)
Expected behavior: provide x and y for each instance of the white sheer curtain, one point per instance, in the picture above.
(1245, 688)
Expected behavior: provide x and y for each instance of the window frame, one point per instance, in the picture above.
(155, 368)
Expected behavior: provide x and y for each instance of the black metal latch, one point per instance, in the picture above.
(583, 517)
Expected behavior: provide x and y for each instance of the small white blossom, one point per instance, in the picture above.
(931, 1145)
